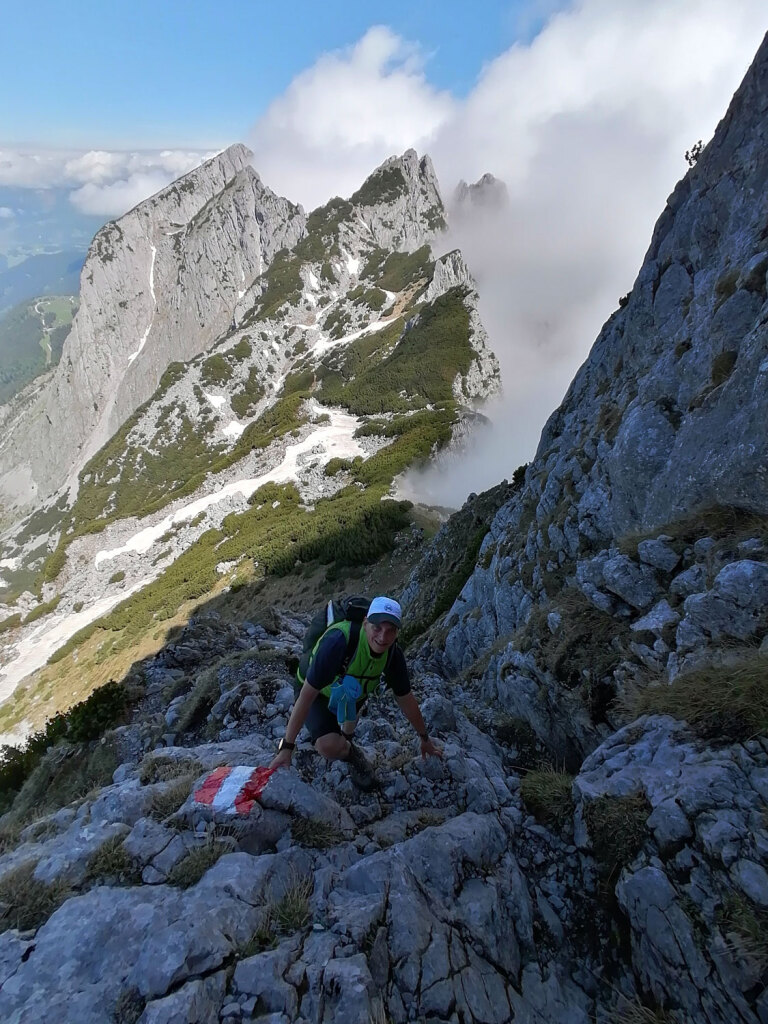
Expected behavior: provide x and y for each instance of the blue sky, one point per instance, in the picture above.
(113, 73)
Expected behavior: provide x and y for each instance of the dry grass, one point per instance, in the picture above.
(315, 833)
(284, 916)
(163, 769)
(191, 869)
(66, 773)
(167, 801)
(720, 702)
(724, 523)
(111, 862)
(636, 1013)
(749, 925)
(617, 829)
(547, 795)
(26, 903)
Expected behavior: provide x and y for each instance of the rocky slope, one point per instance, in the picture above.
(593, 846)
(323, 378)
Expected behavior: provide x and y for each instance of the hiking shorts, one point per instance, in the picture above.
(321, 720)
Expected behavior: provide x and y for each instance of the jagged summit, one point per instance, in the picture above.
(488, 193)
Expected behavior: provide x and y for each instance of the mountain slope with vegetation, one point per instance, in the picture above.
(593, 845)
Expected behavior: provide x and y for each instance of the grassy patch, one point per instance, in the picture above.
(24, 768)
(636, 1012)
(129, 1007)
(383, 186)
(315, 833)
(749, 925)
(27, 903)
(617, 829)
(167, 801)
(547, 794)
(720, 702)
(112, 863)
(397, 271)
(284, 916)
(164, 769)
(727, 525)
(191, 869)
(586, 648)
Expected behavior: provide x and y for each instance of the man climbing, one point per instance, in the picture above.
(333, 693)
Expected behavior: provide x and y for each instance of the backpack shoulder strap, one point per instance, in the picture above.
(352, 641)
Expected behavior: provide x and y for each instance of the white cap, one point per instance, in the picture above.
(384, 609)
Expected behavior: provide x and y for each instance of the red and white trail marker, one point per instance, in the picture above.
(232, 790)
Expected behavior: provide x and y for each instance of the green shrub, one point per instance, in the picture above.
(85, 722)
(383, 186)
(117, 577)
(42, 609)
(28, 903)
(11, 622)
(215, 371)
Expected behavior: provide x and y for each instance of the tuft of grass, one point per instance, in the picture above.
(291, 913)
(112, 862)
(547, 794)
(191, 869)
(636, 1013)
(749, 924)
(169, 800)
(617, 829)
(165, 769)
(719, 702)
(315, 833)
(26, 903)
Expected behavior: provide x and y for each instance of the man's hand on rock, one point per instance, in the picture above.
(282, 758)
(430, 748)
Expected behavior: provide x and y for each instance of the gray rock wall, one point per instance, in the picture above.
(160, 284)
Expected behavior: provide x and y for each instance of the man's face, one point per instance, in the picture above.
(380, 636)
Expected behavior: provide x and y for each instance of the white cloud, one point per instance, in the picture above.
(103, 182)
(6, 213)
(587, 124)
(345, 115)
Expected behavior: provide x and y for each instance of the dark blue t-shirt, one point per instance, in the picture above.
(330, 654)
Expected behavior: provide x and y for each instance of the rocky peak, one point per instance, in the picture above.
(159, 285)
(400, 204)
(488, 193)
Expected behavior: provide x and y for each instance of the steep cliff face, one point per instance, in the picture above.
(668, 414)
(159, 284)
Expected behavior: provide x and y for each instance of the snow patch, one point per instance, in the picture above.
(216, 400)
(353, 265)
(336, 439)
(323, 344)
(233, 429)
(145, 335)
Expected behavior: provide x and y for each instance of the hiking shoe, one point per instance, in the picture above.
(360, 769)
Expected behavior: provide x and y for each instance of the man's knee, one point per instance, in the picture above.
(331, 746)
